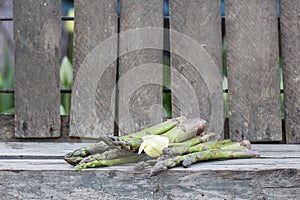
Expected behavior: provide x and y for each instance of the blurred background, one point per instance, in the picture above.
(7, 61)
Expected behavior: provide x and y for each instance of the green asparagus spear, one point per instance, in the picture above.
(73, 160)
(186, 130)
(245, 144)
(145, 164)
(196, 140)
(107, 155)
(184, 149)
(105, 163)
(76, 156)
(188, 159)
(156, 129)
(217, 154)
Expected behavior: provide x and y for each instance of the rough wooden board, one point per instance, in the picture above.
(95, 22)
(217, 165)
(37, 149)
(37, 35)
(277, 147)
(224, 179)
(50, 149)
(122, 182)
(253, 70)
(7, 132)
(200, 20)
(290, 34)
(7, 127)
(272, 154)
(145, 102)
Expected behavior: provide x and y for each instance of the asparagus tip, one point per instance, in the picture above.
(187, 162)
(246, 143)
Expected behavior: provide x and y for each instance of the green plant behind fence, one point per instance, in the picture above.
(6, 82)
(66, 76)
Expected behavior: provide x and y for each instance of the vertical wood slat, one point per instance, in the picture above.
(37, 35)
(253, 70)
(290, 35)
(145, 103)
(95, 22)
(201, 21)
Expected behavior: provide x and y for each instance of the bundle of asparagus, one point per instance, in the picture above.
(175, 142)
(107, 151)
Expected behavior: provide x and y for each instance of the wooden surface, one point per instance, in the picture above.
(37, 36)
(37, 149)
(57, 150)
(7, 132)
(253, 70)
(271, 177)
(95, 22)
(199, 20)
(290, 34)
(123, 183)
(7, 128)
(140, 106)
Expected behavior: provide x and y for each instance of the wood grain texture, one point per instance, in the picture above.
(37, 35)
(7, 131)
(7, 128)
(290, 34)
(199, 20)
(37, 150)
(253, 70)
(237, 165)
(50, 177)
(55, 179)
(95, 22)
(140, 106)
(40, 150)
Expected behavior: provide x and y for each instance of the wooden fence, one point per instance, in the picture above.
(254, 45)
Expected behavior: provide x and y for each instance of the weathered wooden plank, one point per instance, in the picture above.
(277, 147)
(37, 149)
(202, 181)
(199, 20)
(253, 70)
(272, 154)
(140, 85)
(55, 164)
(37, 35)
(95, 79)
(290, 34)
(58, 150)
(7, 127)
(35, 152)
(225, 179)
(7, 131)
